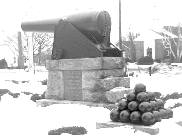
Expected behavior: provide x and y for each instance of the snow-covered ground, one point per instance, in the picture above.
(167, 80)
(22, 117)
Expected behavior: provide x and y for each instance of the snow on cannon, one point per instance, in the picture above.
(84, 35)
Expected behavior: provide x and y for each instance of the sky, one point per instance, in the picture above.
(138, 16)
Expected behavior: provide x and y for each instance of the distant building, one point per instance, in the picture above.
(130, 51)
(157, 42)
(139, 49)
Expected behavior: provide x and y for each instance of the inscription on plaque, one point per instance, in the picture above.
(72, 85)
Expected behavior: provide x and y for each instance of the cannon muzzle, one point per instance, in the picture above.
(95, 24)
(40, 26)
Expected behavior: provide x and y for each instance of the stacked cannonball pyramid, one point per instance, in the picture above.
(140, 107)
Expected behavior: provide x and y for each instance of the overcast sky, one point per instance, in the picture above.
(137, 15)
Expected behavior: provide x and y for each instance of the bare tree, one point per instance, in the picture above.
(177, 31)
(11, 42)
(132, 36)
(42, 42)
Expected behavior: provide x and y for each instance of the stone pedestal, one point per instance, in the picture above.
(85, 79)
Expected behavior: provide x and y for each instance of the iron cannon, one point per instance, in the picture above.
(84, 35)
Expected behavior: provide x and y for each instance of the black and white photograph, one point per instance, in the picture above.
(91, 68)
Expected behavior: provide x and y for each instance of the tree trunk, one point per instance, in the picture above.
(20, 51)
(30, 43)
(39, 55)
(178, 45)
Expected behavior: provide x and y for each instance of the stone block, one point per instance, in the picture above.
(98, 97)
(111, 73)
(124, 82)
(87, 95)
(112, 82)
(89, 79)
(52, 65)
(72, 85)
(86, 63)
(112, 62)
(80, 64)
(116, 94)
(84, 79)
(109, 83)
(55, 85)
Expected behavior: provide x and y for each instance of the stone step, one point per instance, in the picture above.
(152, 130)
(48, 102)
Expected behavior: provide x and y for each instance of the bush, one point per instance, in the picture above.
(157, 60)
(3, 91)
(70, 130)
(14, 95)
(174, 95)
(44, 82)
(145, 61)
(35, 97)
(129, 60)
(43, 95)
(27, 93)
(3, 64)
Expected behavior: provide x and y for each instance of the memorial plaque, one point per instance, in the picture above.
(72, 85)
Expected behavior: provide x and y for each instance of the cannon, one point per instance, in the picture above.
(84, 35)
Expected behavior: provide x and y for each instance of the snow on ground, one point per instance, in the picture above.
(27, 81)
(22, 117)
(165, 81)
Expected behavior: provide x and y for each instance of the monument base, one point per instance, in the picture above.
(85, 79)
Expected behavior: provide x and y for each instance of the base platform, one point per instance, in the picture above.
(152, 130)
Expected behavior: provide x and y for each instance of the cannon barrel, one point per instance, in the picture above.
(40, 26)
(95, 25)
